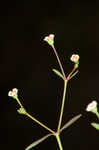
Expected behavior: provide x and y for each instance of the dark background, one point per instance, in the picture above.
(26, 62)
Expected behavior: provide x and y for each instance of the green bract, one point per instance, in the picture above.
(21, 111)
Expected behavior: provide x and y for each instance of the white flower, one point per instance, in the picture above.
(91, 106)
(13, 92)
(74, 58)
(50, 39)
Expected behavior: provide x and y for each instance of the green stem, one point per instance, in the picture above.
(19, 102)
(41, 124)
(62, 107)
(59, 141)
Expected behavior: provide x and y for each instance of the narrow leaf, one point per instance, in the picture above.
(73, 74)
(58, 73)
(37, 142)
(95, 125)
(70, 122)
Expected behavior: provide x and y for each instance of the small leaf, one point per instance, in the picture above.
(37, 142)
(21, 111)
(58, 73)
(95, 125)
(73, 75)
(70, 122)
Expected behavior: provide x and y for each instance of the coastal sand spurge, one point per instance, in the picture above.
(14, 94)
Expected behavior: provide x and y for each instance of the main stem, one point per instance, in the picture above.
(59, 141)
(62, 107)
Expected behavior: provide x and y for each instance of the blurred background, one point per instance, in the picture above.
(26, 63)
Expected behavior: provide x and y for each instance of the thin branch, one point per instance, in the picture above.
(68, 77)
(41, 124)
(60, 64)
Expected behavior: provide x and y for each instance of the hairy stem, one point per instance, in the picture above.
(41, 124)
(62, 107)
